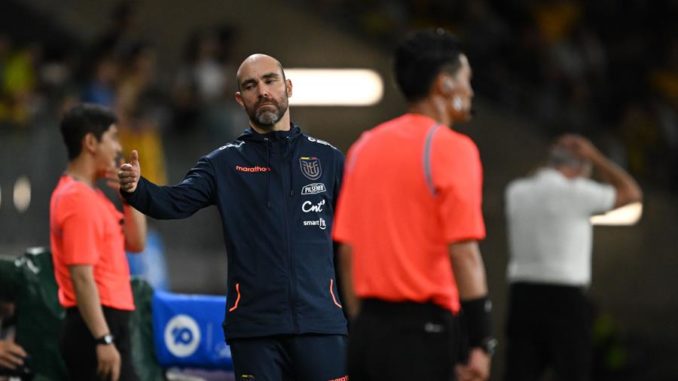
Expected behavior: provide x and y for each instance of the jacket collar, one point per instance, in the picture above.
(252, 136)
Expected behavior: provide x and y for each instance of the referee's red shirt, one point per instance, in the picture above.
(411, 187)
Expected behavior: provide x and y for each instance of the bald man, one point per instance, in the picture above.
(276, 189)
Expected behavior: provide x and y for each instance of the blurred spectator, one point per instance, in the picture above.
(5, 106)
(119, 35)
(640, 136)
(20, 82)
(203, 94)
(556, 19)
(141, 112)
(201, 80)
(101, 88)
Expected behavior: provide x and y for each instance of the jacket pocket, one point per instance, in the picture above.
(237, 298)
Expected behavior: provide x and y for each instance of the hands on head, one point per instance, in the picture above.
(578, 145)
(129, 173)
(11, 354)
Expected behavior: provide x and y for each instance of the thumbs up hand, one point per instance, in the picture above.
(129, 173)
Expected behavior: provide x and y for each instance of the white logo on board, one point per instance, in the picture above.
(182, 336)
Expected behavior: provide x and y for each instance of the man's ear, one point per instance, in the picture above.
(288, 87)
(238, 98)
(89, 142)
(444, 84)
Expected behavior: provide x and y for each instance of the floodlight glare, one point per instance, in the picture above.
(625, 215)
(22, 194)
(335, 87)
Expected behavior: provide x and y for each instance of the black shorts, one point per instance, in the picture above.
(79, 349)
(402, 341)
(290, 357)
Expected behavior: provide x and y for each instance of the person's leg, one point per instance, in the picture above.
(526, 356)
(572, 344)
(359, 342)
(318, 357)
(118, 323)
(260, 359)
(77, 348)
(525, 360)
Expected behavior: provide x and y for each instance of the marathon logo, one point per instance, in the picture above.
(255, 169)
(314, 188)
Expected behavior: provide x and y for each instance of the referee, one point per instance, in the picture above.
(409, 218)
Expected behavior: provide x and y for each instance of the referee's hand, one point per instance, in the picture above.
(476, 369)
(129, 173)
(108, 362)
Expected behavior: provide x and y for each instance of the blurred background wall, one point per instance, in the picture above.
(606, 69)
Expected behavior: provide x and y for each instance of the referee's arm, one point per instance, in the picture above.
(469, 272)
(351, 301)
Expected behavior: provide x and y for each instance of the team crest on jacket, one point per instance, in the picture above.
(310, 167)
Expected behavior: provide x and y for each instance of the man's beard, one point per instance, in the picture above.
(266, 118)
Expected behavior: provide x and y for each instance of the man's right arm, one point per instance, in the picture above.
(627, 189)
(195, 191)
(89, 305)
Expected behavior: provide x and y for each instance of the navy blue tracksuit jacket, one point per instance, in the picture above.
(276, 195)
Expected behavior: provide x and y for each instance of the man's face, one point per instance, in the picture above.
(263, 91)
(462, 100)
(108, 150)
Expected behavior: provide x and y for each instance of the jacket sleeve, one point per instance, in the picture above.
(194, 192)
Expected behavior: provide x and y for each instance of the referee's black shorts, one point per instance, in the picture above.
(402, 341)
(78, 348)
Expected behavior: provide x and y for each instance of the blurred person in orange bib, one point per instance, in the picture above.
(409, 218)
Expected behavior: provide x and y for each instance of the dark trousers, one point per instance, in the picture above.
(402, 341)
(290, 358)
(79, 349)
(548, 326)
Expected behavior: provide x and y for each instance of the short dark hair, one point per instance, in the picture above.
(81, 120)
(421, 57)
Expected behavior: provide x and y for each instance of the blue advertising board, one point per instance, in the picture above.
(187, 331)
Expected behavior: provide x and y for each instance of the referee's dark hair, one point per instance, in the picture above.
(81, 120)
(421, 57)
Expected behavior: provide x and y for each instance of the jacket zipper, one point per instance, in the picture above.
(290, 256)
